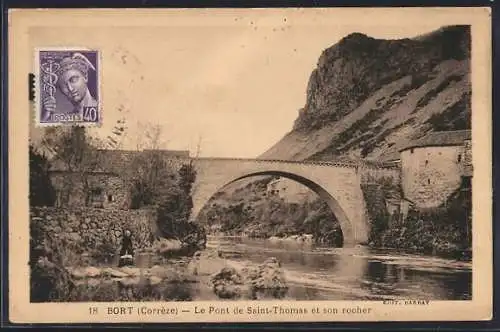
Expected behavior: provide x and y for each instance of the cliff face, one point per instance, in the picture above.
(369, 97)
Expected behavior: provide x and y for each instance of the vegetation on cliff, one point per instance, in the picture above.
(368, 97)
(444, 231)
(262, 214)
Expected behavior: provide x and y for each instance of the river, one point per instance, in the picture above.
(315, 273)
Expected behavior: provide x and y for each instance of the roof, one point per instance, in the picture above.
(171, 153)
(441, 138)
(116, 161)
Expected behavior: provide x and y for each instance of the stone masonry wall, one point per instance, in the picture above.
(112, 191)
(431, 174)
(91, 227)
(369, 175)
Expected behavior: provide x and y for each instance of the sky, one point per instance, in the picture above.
(231, 84)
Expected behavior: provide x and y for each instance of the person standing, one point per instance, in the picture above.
(127, 249)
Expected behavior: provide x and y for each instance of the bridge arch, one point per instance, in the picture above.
(346, 225)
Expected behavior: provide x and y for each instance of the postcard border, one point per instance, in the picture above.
(476, 185)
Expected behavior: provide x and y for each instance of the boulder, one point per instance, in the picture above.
(162, 272)
(153, 280)
(131, 271)
(127, 282)
(267, 280)
(274, 239)
(292, 238)
(114, 273)
(206, 263)
(92, 272)
(229, 284)
(85, 272)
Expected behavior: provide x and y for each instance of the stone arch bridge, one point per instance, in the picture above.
(338, 183)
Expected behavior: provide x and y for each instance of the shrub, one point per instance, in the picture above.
(174, 210)
(50, 253)
(41, 191)
(445, 231)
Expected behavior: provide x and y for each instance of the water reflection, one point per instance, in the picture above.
(356, 273)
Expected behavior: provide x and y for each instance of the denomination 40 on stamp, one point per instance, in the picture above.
(67, 86)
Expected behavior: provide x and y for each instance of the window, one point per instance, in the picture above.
(428, 181)
(426, 162)
(96, 194)
(459, 158)
(110, 198)
(411, 150)
(96, 197)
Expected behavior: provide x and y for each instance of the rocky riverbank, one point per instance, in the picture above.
(298, 239)
(204, 275)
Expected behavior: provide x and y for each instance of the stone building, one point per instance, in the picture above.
(435, 167)
(108, 184)
(431, 170)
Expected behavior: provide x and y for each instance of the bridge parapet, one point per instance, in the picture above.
(339, 163)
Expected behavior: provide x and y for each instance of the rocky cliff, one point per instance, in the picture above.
(369, 97)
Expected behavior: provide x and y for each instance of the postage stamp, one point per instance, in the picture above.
(344, 172)
(67, 86)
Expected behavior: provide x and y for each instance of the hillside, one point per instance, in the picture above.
(369, 97)
(366, 99)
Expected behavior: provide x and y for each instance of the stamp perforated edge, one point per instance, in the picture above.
(36, 87)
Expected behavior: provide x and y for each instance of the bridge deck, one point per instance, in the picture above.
(335, 163)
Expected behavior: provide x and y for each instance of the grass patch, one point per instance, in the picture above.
(455, 117)
(432, 94)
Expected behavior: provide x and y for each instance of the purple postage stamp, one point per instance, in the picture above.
(67, 87)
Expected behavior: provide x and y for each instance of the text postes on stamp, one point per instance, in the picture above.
(67, 87)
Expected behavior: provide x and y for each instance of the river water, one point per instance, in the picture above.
(315, 273)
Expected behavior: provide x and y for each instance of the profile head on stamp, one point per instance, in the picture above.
(68, 86)
(72, 79)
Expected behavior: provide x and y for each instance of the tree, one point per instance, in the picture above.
(150, 173)
(159, 182)
(175, 209)
(42, 193)
(76, 154)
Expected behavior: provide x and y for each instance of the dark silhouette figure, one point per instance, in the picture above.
(127, 250)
